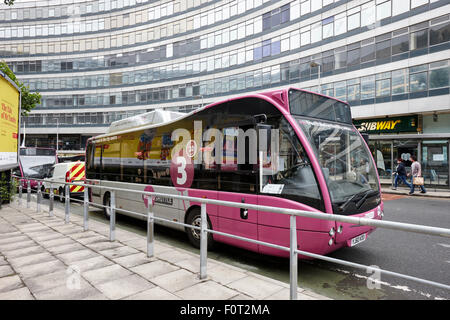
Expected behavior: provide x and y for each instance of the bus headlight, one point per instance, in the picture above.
(332, 232)
(339, 230)
(330, 243)
(379, 212)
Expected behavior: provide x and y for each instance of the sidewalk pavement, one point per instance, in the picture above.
(431, 193)
(43, 258)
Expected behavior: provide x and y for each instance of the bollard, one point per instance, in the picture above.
(28, 193)
(67, 203)
(203, 242)
(150, 228)
(52, 199)
(86, 209)
(112, 218)
(293, 259)
(38, 197)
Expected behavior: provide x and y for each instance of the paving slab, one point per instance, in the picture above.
(23, 252)
(224, 275)
(68, 293)
(18, 294)
(92, 239)
(134, 260)
(255, 287)
(66, 248)
(155, 293)
(56, 242)
(7, 235)
(49, 236)
(93, 263)
(118, 252)
(124, 287)
(73, 257)
(47, 281)
(35, 270)
(6, 270)
(176, 280)
(105, 274)
(208, 290)
(84, 234)
(174, 256)
(154, 269)
(193, 264)
(103, 245)
(17, 245)
(18, 238)
(31, 259)
(10, 283)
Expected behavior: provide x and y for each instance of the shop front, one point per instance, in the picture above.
(400, 137)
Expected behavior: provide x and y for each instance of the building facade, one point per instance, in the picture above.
(98, 61)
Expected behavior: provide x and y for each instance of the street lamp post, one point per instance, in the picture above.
(314, 65)
(57, 135)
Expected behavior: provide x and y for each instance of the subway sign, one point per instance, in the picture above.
(387, 125)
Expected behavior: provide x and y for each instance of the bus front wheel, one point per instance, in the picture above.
(194, 218)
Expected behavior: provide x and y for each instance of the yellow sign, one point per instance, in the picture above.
(9, 122)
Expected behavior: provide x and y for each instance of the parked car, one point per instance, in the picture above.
(65, 172)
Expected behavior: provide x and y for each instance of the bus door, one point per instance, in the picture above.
(237, 183)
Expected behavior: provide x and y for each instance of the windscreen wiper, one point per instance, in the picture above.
(345, 204)
(360, 202)
(364, 194)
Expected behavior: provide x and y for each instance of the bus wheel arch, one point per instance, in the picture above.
(193, 217)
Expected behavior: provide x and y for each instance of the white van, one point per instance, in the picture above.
(66, 172)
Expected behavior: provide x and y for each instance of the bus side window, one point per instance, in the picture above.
(236, 176)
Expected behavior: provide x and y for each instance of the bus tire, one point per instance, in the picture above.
(194, 218)
(62, 195)
(107, 205)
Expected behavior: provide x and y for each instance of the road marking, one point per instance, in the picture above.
(398, 287)
(444, 245)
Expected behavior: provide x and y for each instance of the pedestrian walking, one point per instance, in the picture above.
(400, 174)
(416, 174)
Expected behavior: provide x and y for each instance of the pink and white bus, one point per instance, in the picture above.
(286, 148)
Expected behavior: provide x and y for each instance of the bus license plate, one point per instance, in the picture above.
(358, 239)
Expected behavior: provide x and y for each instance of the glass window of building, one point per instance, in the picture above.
(383, 10)
(328, 27)
(368, 13)
(400, 81)
(400, 41)
(367, 87)
(418, 39)
(418, 78)
(440, 33)
(439, 74)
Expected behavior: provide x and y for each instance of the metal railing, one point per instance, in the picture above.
(292, 249)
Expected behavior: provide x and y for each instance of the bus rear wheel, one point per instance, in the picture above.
(194, 218)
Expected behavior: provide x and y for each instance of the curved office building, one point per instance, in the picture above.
(98, 61)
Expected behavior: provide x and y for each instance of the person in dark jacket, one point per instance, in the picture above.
(400, 174)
